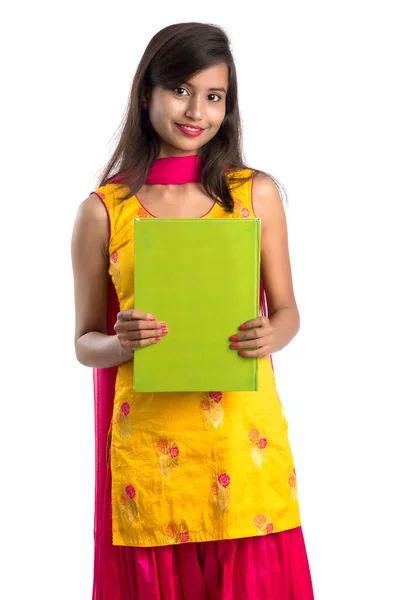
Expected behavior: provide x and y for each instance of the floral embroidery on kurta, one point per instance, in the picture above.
(142, 213)
(177, 534)
(169, 456)
(124, 421)
(212, 408)
(293, 484)
(258, 446)
(128, 504)
(220, 492)
(114, 266)
(263, 524)
(239, 210)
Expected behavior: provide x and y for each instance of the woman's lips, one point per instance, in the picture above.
(189, 132)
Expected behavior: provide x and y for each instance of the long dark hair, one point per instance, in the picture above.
(172, 56)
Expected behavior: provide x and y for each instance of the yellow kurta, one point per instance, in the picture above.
(193, 467)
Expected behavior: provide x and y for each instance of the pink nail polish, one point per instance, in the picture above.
(158, 339)
(242, 327)
(234, 345)
(241, 353)
(233, 338)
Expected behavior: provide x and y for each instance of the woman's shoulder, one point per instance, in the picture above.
(239, 172)
(111, 192)
(268, 195)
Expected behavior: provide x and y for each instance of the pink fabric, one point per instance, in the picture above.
(104, 389)
(171, 170)
(177, 170)
(270, 567)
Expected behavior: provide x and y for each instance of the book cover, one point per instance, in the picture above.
(201, 277)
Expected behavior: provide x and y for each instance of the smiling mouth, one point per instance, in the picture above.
(190, 128)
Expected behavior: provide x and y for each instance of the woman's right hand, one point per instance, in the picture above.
(136, 329)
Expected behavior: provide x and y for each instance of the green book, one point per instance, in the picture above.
(202, 278)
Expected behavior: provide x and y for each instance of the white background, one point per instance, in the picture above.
(320, 108)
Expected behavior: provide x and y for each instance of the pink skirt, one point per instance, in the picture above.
(270, 567)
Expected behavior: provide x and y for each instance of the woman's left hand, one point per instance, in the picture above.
(257, 334)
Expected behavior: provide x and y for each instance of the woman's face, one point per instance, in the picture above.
(199, 102)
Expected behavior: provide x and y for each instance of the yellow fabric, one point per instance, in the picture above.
(193, 466)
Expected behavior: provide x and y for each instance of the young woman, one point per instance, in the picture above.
(196, 493)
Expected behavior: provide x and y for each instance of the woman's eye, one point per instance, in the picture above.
(216, 96)
(179, 88)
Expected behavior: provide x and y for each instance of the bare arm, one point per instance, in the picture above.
(275, 261)
(89, 252)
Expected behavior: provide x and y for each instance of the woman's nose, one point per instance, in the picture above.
(195, 108)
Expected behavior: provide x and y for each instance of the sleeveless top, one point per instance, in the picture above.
(193, 467)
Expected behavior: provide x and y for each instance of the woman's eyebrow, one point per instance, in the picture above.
(213, 89)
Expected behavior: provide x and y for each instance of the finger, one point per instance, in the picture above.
(257, 322)
(128, 315)
(141, 343)
(251, 334)
(135, 324)
(253, 343)
(140, 334)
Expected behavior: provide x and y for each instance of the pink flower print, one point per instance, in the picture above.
(253, 434)
(171, 530)
(220, 492)
(177, 533)
(258, 445)
(130, 492)
(102, 196)
(162, 445)
(263, 524)
(174, 451)
(114, 268)
(292, 481)
(125, 409)
(169, 456)
(184, 536)
(205, 405)
(142, 212)
(129, 509)
(245, 212)
(259, 521)
(213, 410)
(216, 396)
(224, 480)
(123, 420)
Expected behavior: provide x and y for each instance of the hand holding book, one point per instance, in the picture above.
(136, 329)
(255, 340)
